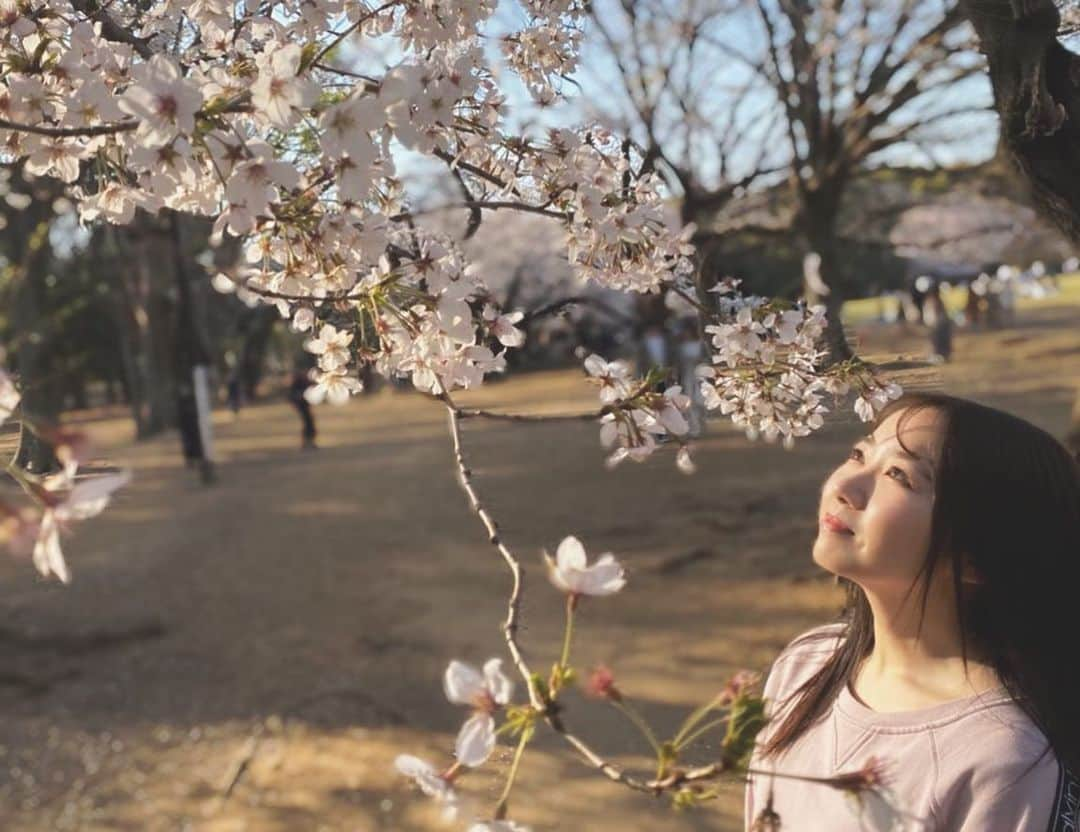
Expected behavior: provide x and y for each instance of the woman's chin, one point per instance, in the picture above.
(828, 558)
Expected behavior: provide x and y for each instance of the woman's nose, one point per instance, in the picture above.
(851, 490)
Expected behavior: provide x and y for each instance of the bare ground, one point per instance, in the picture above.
(252, 656)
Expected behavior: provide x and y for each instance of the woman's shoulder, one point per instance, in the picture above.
(1009, 740)
(801, 659)
(1010, 774)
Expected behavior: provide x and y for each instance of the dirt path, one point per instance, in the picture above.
(285, 631)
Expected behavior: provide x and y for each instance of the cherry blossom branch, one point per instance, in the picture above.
(349, 30)
(469, 413)
(510, 625)
(71, 132)
(478, 204)
(608, 769)
(575, 300)
(467, 166)
(110, 29)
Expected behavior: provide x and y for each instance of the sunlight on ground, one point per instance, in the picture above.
(251, 656)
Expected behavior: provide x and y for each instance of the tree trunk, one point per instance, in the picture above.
(253, 351)
(105, 247)
(148, 308)
(191, 351)
(1036, 85)
(824, 284)
(32, 256)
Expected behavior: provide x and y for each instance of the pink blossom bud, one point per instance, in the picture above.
(601, 685)
(738, 685)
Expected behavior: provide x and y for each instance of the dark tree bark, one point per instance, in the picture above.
(30, 252)
(259, 327)
(1036, 85)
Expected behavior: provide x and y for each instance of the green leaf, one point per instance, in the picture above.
(746, 720)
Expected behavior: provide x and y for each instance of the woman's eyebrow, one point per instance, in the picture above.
(926, 466)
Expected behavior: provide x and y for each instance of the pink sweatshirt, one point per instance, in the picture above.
(972, 765)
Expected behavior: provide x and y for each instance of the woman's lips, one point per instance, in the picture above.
(834, 524)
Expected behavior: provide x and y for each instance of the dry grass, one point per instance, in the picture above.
(312, 601)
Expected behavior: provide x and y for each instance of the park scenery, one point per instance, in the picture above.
(415, 414)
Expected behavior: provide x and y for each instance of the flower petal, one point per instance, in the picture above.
(605, 577)
(557, 576)
(48, 556)
(89, 497)
(462, 683)
(498, 685)
(570, 554)
(475, 740)
(412, 766)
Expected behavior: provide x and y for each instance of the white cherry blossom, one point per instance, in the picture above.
(613, 377)
(481, 689)
(570, 572)
(332, 347)
(334, 386)
(114, 203)
(164, 102)
(65, 503)
(345, 127)
(430, 781)
(92, 104)
(278, 93)
(502, 326)
(58, 157)
(484, 691)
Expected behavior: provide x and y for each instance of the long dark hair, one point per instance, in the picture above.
(1007, 508)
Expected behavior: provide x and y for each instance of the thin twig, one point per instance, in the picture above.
(240, 766)
(352, 28)
(70, 132)
(575, 300)
(510, 626)
(469, 413)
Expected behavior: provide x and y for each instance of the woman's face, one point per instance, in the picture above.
(874, 519)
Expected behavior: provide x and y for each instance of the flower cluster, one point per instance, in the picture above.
(541, 53)
(236, 122)
(636, 417)
(764, 373)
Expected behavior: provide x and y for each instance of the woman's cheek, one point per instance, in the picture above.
(896, 539)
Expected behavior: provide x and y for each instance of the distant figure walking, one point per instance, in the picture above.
(298, 385)
(936, 318)
(234, 392)
(691, 353)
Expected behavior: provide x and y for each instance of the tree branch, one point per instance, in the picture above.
(110, 29)
(510, 625)
(1037, 95)
(575, 300)
(70, 132)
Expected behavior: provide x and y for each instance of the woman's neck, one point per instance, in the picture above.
(917, 659)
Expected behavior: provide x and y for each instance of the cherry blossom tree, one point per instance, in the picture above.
(277, 121)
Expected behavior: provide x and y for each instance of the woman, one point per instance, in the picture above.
(955, 529)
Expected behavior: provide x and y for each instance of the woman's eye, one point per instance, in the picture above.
(856, 454)
(900, 476)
